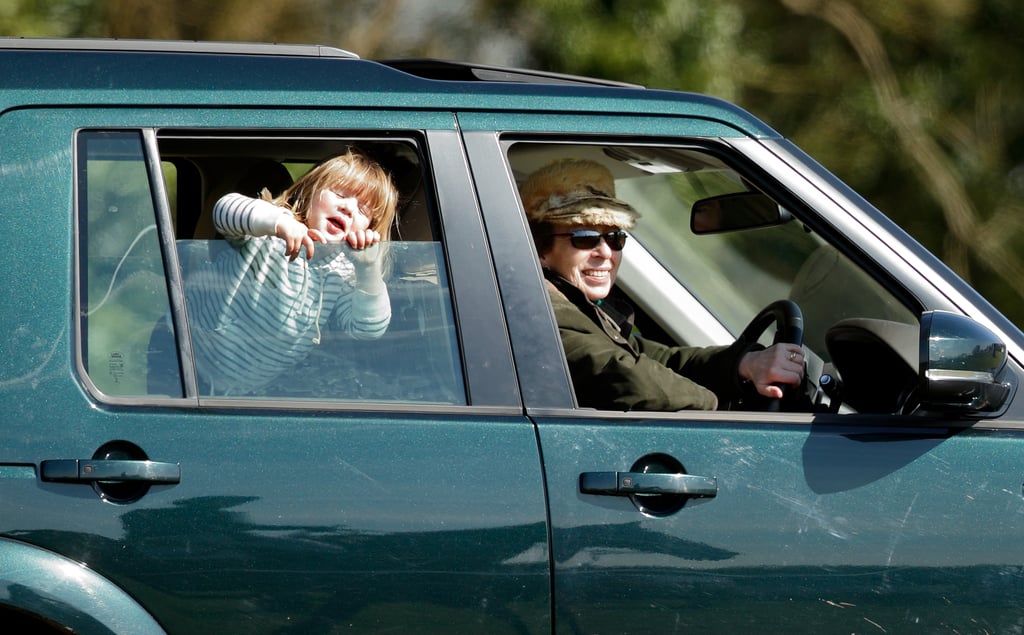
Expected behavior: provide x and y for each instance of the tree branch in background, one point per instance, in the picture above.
(987, 241)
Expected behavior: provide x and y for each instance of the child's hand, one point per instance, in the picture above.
(369, 254)
(368, 265)
(362, 238)
(296, 235)
(363, 243)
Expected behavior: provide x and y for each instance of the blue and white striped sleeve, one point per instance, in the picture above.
(236, 215)
(363, 316)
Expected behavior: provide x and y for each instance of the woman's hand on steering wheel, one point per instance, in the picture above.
(782, 364)
(779, 364)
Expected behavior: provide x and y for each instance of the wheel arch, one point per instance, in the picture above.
(59, 593)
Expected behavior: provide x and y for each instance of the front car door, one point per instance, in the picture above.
(858, 511)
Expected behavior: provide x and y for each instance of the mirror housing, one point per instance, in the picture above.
(735, 212)
(962, 365)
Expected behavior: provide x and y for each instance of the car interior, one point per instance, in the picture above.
(862, 342)
(200, 168)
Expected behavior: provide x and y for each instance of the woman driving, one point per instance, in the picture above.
(578, 227)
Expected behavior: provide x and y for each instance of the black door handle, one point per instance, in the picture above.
(109, 471)
(630, 483)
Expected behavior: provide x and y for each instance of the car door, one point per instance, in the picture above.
(391, 485)
(858, 513)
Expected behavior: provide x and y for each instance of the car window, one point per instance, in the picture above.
(736, 273)
(695, 238)
(122, 292)
(162, 351)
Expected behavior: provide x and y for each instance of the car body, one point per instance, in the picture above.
(443, 478)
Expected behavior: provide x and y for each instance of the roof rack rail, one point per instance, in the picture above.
(174, 46)
(447, 70)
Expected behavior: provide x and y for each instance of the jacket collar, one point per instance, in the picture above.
(611, 309)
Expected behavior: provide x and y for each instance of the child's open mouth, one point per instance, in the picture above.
(334, 226)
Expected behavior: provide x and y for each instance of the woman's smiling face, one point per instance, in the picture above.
(335, 215)
(593, 271)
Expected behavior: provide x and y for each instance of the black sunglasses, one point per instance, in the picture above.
(588, 238)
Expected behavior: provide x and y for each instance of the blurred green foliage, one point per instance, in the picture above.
(916, 104)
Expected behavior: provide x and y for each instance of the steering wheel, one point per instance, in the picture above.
(789, 329)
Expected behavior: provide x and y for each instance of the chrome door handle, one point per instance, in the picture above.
(109, 470)
(630, 483)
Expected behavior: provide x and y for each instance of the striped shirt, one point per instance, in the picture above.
(255, 314)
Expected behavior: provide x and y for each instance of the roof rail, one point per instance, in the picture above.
(174, 46)
(428, 68)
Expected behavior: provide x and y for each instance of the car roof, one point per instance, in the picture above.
(173, 46)
(68, 71)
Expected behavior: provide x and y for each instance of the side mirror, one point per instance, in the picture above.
(962, 365)
(734, 212)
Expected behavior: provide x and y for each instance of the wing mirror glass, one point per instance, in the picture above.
(963, 364)
(734, 212)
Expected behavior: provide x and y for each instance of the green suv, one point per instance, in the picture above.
(443, 478)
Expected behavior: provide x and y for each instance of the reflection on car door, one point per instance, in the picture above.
(831, 526)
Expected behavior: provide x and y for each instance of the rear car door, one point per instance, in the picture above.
(389, 484)
(859, 511)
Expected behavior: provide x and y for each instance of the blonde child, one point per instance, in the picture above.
(259, 308)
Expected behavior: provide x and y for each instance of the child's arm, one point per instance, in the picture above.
(368, 266)
(365, 313)
(237, 216)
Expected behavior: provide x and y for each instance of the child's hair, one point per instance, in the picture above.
(351, 174)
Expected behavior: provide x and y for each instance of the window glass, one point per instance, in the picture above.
(263, 327)
(737, 273)
(123, 293)
(734, 273)
(709, 251)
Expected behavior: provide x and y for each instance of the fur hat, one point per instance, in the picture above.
(575, 192)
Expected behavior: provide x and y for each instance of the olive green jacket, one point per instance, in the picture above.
(615, 369)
